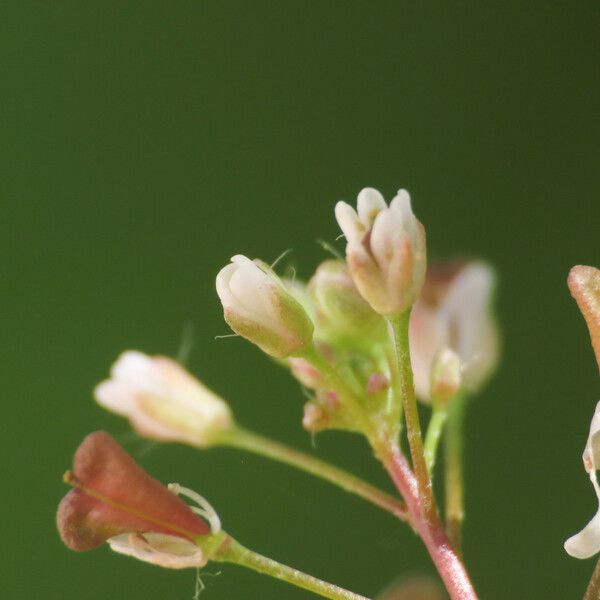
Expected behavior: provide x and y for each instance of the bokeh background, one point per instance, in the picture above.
(144, 143)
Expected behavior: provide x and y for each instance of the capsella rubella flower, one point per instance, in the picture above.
(454, 311)
(385, 250)
(258, 306)
(114, 500)
(163, 401)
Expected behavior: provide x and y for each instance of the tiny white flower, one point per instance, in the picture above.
(446, 376)
(586, 543)
(163, 401)
(385, 251)
(258, 306)
(454, 312)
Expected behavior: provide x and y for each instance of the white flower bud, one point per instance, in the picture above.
(163, 401)
(454, 312)
(385, 252)
(341, 310)
(258, 306)
(586, 543)
(446, 377)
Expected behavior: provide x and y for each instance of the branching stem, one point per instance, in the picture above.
(243, 439)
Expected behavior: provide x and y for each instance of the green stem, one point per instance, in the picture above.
(395, 391)
(593, 589)
(399, 326)
(233, 552)
(454, 478)
(240, 438)
(433, 436)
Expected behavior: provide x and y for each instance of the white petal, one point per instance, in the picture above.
(369, 203)
(586, 543)
(466, 310)
(591, 453)
(253, 291)
(349, 223)
(240, 260)
(402, 206)
(222, 284)
(135, 369)
(115, 396)
(427, 336)
(386, 237)
(401, 203)
(159, 549)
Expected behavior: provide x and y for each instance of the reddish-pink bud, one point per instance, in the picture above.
(113, 495)
(584, 284)
(376, 383)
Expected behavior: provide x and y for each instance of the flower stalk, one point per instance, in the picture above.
(454, 478)
(439, 416)
(243, 439)
(234, 552)
(399, 327)
(447, 561)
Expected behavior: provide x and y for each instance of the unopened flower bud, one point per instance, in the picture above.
(377, 383)
(257, 306)
(163, 401)
(454, 312)
(584, 284)
(341, 310)
(305, 373)
(114, 500)
(315, 417)
(385, 251)
(445, 377)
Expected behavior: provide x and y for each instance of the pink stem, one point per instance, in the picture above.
(447, 562)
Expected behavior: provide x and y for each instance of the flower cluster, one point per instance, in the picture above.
(114, 500)
(360, 336)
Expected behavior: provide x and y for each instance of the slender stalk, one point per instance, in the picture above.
(433, 436)
(593, 589)
(445, 558)
(454, 479)
(411, 414)
(243, 439)
(395, 389)
(234, 552)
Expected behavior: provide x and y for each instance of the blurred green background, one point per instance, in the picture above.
(144, 143)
